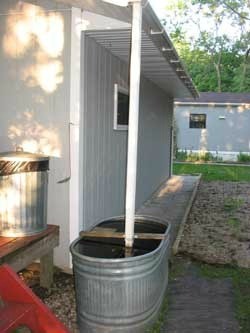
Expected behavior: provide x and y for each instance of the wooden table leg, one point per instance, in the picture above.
(47, 270)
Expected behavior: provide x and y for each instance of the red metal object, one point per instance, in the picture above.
(22, 307)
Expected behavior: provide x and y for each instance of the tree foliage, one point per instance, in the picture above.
(212, 37)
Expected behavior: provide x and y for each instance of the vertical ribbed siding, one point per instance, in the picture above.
(105, 149)
(23, 203)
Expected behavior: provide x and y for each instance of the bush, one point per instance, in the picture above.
(184, 156)
(243, 158)
(181, 155)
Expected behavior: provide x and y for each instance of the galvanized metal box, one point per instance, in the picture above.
(23, 193)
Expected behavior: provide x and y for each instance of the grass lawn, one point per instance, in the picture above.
(214, 172)
(241, 283)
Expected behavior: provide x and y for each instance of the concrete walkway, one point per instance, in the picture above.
(196, 304)
(172, 202)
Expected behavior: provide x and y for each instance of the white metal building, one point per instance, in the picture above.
(215, 122)
(64, 92)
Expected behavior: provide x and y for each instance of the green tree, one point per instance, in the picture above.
(216, 59)
(240, 8)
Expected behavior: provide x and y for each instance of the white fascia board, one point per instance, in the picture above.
(121, 3)
(101, 8)
(211, 104)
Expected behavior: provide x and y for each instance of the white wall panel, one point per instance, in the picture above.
(34, 95)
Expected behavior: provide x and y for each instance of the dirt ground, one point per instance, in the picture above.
(218, 227)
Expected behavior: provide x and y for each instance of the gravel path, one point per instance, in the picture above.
(218, 227)
(61, 299)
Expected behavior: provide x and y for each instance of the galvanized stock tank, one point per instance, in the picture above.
(23, 193)
(115, 293)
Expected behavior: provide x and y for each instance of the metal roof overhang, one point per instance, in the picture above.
(159, 61)
(164, 67)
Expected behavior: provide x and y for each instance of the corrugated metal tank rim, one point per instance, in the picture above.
(121, 261)
(122, 295)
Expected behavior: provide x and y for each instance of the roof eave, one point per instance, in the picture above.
(151, 25)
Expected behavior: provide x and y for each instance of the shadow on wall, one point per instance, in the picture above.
(34, 137)
(30, 30)
(34, 39)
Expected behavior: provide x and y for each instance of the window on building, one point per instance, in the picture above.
(121, 108)
(197, 120)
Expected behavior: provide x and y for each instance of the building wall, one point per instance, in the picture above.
(228, 135)
(34, 94)
(35, 67)
(154, 145)
(105, 149)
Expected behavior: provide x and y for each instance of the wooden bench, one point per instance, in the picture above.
(22, 251)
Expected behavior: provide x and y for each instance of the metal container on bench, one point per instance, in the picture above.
(124, 294)
(23, 193)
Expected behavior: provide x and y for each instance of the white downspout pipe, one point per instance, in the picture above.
(135, 72)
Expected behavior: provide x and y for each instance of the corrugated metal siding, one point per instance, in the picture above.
(104, 149)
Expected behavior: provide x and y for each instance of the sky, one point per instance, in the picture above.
(226, 28)
(159, 7)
